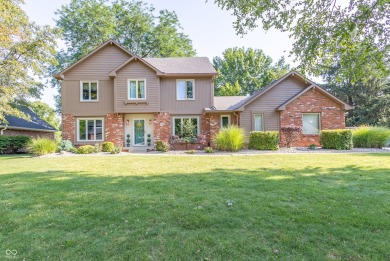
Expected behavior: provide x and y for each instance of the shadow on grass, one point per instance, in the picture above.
(223, 214)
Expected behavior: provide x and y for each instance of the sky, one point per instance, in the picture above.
(210, 29)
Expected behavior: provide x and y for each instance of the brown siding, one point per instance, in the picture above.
(137, 70)
(99, 65)
(203, 96)
(268, 102)
(71, 99)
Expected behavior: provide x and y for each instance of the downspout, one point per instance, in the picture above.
(1, 131)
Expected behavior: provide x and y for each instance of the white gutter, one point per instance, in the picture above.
(28, 129)
(1, 131)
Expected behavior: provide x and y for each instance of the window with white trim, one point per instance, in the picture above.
(89, 91)
(311, 123)
(89, 129)
(225, 121)
(137, 89)
(258, 120)
(185, 90)
(178, 123)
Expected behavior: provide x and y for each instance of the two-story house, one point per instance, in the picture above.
(114, 95)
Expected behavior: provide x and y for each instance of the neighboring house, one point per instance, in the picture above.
(112, 93)
(35, 127)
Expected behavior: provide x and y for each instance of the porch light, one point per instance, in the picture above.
(128, 122)
(150, 121)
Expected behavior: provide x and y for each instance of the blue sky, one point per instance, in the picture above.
(209, 28)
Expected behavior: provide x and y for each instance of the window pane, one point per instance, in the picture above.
(91, 130)
(94, 91)
(85, 91)
(141, 90)
(311, 124)
(259, 122)
(99, 123)
(225, 121)
(82, 130)
(177, 127)
(99, 133)
(194, 122)
(181, 90)
(190, 90)
(133, 89)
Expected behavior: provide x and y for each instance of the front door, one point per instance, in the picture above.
(139, 132)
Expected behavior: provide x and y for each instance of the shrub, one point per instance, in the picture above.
(162, 146)
(116, 150)
(312, 146)
(208, 150)
(291, 134)
(370, 137)
(336, 139)
(108, 146)
(86, 149)
(230, 139)
(11, 144)
(264, 140)
(65, 145)
(41, 146)
(190, 152)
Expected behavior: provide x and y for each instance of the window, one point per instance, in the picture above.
(89, 91)
(311, 123)
(185, 90)
(137, 90)
(258, 122)
(89, 129)
(225, 121)
(178, 123)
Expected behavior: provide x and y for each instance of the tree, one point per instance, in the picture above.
(88, 23)
(368, 92)
(245, 71)
(45, 112)
(26, 51)
(321, 29)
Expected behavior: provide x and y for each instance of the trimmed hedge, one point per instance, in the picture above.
(370, 137)
(264, 140)
(336, 139)
(108, 146)
(11, 144)
(86, 149)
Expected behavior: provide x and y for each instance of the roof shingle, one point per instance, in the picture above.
(183, 65)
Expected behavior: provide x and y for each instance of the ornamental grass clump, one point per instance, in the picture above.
(41, 146)
(370, 137)
(230, 139)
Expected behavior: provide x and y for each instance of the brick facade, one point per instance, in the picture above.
(68, 127)
(114, 129)
(332, 115)
(162, 127)
(32, 134)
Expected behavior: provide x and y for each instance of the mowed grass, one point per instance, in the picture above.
(266, 207)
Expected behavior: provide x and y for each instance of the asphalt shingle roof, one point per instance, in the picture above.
(183, 65)
(36, 122)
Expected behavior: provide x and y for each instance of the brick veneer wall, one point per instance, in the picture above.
(162, 127)
(332, 115)
(32, 134)
(113, 129)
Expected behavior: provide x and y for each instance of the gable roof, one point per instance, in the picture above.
(60, 75)
(36, 123)
(317, 88)
(135, 58)
(272, 85)
(183, 65)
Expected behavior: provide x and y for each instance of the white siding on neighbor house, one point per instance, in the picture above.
(268, 102)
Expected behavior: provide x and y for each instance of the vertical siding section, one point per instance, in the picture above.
(203, 96)
(99, 65)
(137, 70)
(268, 102)
(71, 103)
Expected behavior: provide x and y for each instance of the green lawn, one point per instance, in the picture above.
(289, 207)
